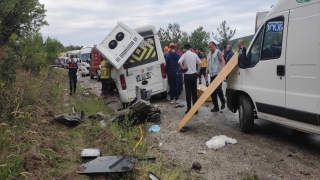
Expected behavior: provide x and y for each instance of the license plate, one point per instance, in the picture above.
(142, 77)
(150, 68)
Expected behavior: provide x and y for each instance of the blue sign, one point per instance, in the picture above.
(274, 27)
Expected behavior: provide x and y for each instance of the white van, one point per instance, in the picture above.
(281, 80)
(144, 68)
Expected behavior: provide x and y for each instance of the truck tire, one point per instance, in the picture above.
(98, 77)
(164, 95)
(91, 76)
(246, 115)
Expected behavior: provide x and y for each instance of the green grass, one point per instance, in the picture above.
(113, 139)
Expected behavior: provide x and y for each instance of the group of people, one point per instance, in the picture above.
(190, 65)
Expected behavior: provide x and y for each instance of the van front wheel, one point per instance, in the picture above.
(246, 116)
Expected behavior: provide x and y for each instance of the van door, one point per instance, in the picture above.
(265, 79)
(303, 65)
(143, 68)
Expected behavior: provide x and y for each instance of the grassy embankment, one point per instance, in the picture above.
(34, 146)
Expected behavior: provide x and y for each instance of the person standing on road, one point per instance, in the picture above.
(215, 63)
(242, 57)
(165, 52)
(73, 73)
(188, 62)
(203, 69)
(104, 76)
(172, 69)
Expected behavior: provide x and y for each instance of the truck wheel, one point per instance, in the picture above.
(164, 95)
(246, 116)
(91, 76)
(98, 77)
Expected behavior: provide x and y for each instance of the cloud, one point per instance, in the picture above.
(85, 22)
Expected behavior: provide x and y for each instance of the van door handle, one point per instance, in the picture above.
(280, 70)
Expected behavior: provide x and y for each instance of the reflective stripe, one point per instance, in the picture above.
(104, 70)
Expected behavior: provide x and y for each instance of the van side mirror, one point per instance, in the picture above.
(242, 61)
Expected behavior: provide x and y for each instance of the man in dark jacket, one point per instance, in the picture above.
(73, 73)
(172, 69)
(242, 58)
(228, 53)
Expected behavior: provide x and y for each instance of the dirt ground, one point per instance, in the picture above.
(271, 152)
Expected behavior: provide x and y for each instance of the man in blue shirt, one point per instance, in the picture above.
(172, 69)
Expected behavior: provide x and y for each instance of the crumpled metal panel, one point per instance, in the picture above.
(108, 164)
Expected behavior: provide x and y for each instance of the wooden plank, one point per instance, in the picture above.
(218, 80)
(200, 89)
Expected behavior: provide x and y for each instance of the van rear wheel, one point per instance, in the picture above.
(164, 95)
(246, 116)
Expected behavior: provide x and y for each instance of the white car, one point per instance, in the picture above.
(84, 68)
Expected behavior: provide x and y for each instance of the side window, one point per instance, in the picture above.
(272, 43)
(255, 49)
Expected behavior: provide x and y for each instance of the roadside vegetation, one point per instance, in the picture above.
(35, 146)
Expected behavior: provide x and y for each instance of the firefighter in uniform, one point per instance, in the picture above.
(105, 75)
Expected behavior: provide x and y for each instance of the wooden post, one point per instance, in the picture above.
(218, 80)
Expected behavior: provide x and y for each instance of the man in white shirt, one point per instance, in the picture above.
(188, 62)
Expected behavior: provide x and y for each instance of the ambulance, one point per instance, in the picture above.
(281, 78)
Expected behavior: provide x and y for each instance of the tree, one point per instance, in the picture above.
(171, 34)
(185, 39)
(223, 33)
(200, 38)
(52, 49)
(246, 42)
(20, 17)
(32, 52)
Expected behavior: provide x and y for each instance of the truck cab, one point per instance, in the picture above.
(281, 78)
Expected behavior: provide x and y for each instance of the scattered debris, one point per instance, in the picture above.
(155, 105)
(217, 142)
(103, 123)
(86, 94)
(196, 166)
(90, 152)
(289, 155)
(201, 152)
(70, 120)
(160, 144)
(108, 164)
(152, 176)
(109, 102)
(164, 116)
(154, 128)
(148, 160)
(140, 112)
(305, 173)
(141, 136)
(97, 116)
(179, 105)
(65, 89)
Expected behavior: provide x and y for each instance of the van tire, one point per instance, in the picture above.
(164, 95)
(91, 76)
(246, 116)
(83, 75)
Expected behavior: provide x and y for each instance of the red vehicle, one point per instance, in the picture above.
(94, 63)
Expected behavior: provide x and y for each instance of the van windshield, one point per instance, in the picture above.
(145, 53)
(85, 56)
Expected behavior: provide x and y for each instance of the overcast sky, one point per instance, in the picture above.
(88, 22)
